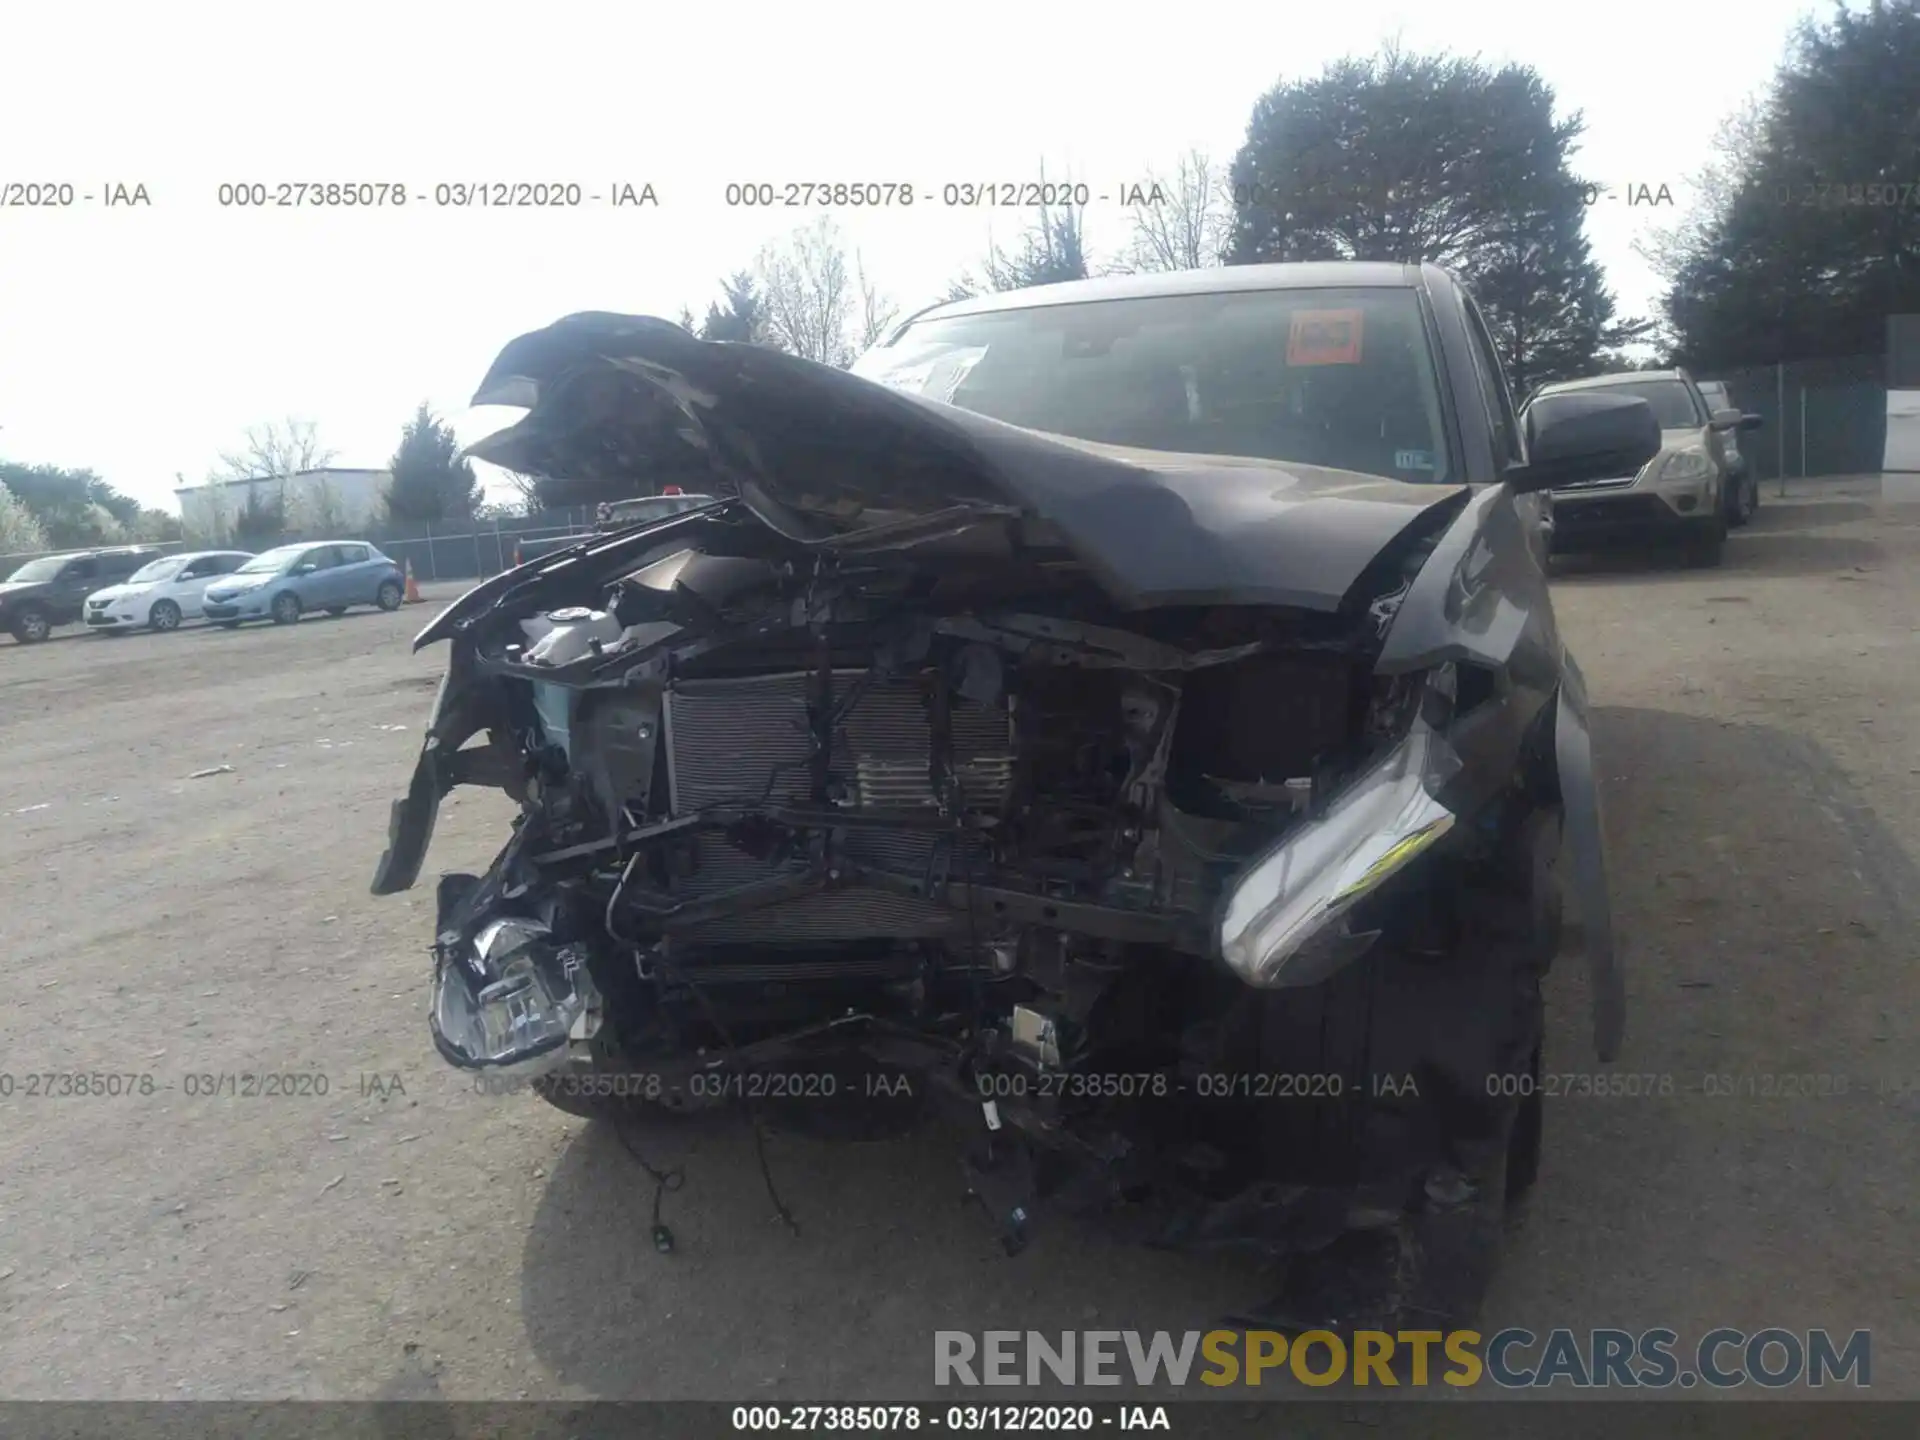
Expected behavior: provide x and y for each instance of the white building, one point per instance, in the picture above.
(353, 498)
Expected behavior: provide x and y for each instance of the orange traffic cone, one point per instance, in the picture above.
(414, 597)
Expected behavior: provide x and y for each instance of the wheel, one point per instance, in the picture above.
(1415, 1050)
(336, 609)
(1742, 500)
(286, 608)
(1525, 1144)
(1707, 547)
(165, 615)
(32, 625)
(390, 595)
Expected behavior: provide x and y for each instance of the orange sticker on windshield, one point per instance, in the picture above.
(1324, 337)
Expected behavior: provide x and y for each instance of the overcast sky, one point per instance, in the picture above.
(141, 342)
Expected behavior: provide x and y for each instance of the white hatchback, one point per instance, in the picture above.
(160, 595)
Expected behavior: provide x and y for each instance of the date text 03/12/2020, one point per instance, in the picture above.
(964, 194)
(554, 194)
(840, 1419)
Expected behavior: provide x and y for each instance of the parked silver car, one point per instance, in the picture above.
(160, 595)
(284, 583)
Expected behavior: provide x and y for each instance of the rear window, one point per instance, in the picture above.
(1342, 378)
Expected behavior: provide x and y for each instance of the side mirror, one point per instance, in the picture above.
(1725, 419)
(305, 567)
(1751, 422)
(1584, 435)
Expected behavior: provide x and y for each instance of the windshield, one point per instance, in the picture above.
(43, 569)
(159, 570)
(268, 561)
(1672, 402)
(1342, 378)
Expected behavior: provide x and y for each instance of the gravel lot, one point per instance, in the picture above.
(402, 1237)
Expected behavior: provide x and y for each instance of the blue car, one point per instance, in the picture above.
(283, 584)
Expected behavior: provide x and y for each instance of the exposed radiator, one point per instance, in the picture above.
(724, 738)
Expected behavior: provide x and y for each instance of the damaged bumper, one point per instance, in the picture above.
(1055, 776)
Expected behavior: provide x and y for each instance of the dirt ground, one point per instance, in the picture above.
(402, 1237)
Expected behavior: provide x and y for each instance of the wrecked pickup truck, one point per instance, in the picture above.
(1130, 709)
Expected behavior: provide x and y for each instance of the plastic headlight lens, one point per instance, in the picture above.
(1687, 465)
(1294, 895)
(518, 1023)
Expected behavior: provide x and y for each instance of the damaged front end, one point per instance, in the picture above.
(917, 786)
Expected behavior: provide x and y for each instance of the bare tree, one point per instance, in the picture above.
(1052, 248)
(527, 488)
(808, 293)
(274, 451)
(1188, 221)
(877, 313)
(214, 526)
(1733, 154)
(317, 506)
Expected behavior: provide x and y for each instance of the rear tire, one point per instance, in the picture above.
(286, 608)
(1743, 498)
(390, 595)
(32, 625)
(165, 615)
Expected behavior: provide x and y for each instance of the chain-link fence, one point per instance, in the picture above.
(1822, 417)
(462, 548)
(467, 549)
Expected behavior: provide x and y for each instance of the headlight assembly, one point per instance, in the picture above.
(1279, 923)
(519, 1020)
(1687, 465)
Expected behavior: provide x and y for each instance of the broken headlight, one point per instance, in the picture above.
(515, 1008)
(1281, 920)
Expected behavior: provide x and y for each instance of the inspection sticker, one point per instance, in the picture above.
(1324, 337)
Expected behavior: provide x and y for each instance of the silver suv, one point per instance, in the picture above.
(1680, 494)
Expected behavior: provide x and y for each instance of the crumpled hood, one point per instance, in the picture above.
(820, 454)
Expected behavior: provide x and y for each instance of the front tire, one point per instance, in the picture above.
(1707, 547)
(32, 625)
(286, 608)
(1527, 1142)
(1429, 1034)
(165, 615)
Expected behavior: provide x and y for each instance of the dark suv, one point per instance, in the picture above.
(50, 591)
